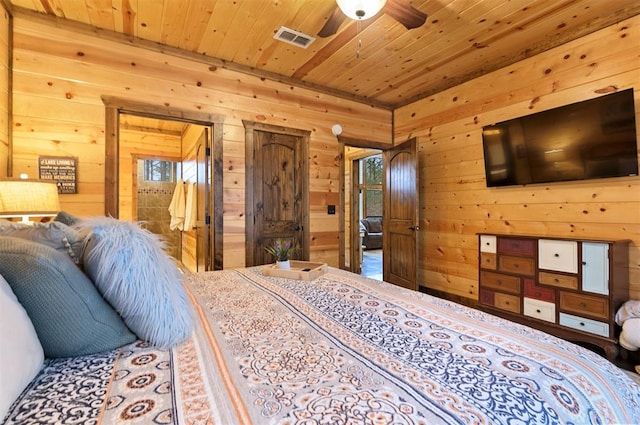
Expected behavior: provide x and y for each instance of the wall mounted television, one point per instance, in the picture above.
(592, 139)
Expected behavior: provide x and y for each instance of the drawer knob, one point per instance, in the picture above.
(582, 305)
(556, 255)
(538, 311)
(538, 294)
(581, 323)
(556, 280)
(516, 266)
(584, 263)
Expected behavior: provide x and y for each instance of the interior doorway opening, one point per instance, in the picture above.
(371, 173)
(363, 203)
(136, 130)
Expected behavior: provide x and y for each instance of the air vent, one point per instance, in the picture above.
(294, 37)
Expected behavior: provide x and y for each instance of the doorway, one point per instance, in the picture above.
(400, 209)
(370, 208)
(118, 194)
(363, 205)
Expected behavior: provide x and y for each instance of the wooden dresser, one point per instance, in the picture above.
(570, 288)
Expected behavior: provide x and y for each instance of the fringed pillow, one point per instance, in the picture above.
(129, 266)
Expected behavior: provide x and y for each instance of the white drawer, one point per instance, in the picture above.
(561, 256)
(583, 324)
(488, 243)
(542, 310)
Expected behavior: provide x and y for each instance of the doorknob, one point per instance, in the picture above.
(297, 228)
(416, 228)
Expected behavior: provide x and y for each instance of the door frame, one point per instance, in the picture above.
(115, 106)
(250, 225)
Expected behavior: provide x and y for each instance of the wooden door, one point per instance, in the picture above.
(400, 222)
(277, 192)
(203, 262)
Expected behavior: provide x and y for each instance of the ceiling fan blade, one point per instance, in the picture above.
(333, 23)
(403, 12)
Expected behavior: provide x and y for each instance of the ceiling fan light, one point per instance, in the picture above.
(361, 9)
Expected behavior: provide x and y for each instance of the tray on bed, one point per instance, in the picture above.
(300, 270)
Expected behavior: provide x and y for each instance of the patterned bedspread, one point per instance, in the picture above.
(341, 349)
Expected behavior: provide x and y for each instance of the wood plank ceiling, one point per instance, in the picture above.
(461, 39)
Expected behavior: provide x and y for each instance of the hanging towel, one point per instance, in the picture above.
(177, 207)
(191, 208)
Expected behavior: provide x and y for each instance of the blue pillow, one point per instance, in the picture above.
(130, 268)
(67, 312)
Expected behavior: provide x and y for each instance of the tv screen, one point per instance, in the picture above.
(586, 140)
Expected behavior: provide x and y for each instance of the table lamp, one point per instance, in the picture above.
(28, 198)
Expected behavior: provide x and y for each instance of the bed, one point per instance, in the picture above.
(340, 349)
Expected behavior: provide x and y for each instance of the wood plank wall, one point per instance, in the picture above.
(454, 201)
(5, 114)
(61, 71)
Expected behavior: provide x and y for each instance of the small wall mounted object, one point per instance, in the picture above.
(62, 170)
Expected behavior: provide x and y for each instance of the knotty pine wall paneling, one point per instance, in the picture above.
(5, 82)
(455, 203)
(61, 71)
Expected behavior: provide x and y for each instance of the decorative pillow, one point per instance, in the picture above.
(54, 234)
(21, 354)
(130, 268)
(66, 218)
(67, 312)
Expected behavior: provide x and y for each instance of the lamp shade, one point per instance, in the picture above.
(34, 198)
(360, 9)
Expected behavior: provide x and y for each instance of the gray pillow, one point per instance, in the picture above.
(54, 234)
(68, 313)
(66, 218)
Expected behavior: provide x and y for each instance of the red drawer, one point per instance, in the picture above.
(487, 297)
(516, 246)
(531, 290)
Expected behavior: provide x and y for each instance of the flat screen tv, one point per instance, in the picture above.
(592, 139)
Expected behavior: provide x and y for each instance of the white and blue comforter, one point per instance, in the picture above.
(347, 350)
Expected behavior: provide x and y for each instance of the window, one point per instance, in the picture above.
(371, 185)
(161, 171)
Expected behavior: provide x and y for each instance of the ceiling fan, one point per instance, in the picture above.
(401, 10)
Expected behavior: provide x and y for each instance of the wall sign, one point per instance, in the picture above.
(63, 170)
